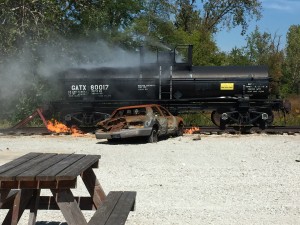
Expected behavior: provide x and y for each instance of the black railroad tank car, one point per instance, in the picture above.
(134, 84)
(235, 94)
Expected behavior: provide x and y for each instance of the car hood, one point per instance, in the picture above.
(114, 124)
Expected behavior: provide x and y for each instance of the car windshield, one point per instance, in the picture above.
(130, 112)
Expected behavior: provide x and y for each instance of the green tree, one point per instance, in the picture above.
(258, 47)
(205, 50)
(213, 16)
(229, 14)
(187, 17)
(154, 25)
(291, 77)
(24, 25)
(237, 56)
(108, 20)
(27, 22)
(264, 49)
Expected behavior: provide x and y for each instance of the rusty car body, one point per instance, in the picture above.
(150, 121)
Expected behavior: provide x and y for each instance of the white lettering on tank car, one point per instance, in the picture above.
(145, 87)
(76, 93)
(98, 88)
(78, 87)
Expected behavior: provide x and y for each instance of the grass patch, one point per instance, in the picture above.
(197, 119)
(293, 118)
(36, 122)
(5, 124)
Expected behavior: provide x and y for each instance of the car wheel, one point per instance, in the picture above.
(153, 138)
(179, 131)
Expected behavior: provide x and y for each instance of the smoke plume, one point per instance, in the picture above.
(24, 71)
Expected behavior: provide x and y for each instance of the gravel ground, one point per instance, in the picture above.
(227, 179)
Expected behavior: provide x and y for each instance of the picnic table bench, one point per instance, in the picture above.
(22, 179)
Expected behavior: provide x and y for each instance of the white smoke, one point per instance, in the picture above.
(83, 54)
(19, 72)
(59, 56)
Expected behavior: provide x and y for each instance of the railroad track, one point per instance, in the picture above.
(250, 130)
(25, 131)
(208, 130)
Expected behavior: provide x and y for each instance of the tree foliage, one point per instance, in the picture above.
(237, 56)
(153, 25)
(200, 25)
(292, 65)
(29, 21)
(187, 17)
(205, 50)
(128, 22)
(264, 49)
(229, 13)
(106, 19)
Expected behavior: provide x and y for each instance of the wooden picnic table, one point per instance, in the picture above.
(22, 179)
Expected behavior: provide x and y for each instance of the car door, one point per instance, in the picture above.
(162, 120)
(171, 121)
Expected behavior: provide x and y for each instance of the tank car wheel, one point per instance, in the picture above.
(262, 125)
(222, 125)
(215, 118)
(153, 138)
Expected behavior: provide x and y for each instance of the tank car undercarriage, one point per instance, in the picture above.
(242, 114)
(253, 117)
(258, 114)
(225, 112)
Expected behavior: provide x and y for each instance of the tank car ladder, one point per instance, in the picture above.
(168, 86)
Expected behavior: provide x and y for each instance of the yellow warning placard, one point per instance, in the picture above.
(227, 86)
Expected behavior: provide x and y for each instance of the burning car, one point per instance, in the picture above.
(150, 121)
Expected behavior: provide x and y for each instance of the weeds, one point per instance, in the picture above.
(197, 119)
(5, 124)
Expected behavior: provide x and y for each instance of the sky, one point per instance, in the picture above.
(277, 17)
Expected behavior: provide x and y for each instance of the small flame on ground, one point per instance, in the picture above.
(75, 131)
(58, 127)
(192, 130)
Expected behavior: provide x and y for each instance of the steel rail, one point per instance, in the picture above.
(208, 130)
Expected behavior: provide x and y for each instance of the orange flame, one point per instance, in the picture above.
(192, 130)
(58, 127)
(75, 131)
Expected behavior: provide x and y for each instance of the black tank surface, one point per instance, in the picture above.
(144, 83)
(202, 82)
(109, 84)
